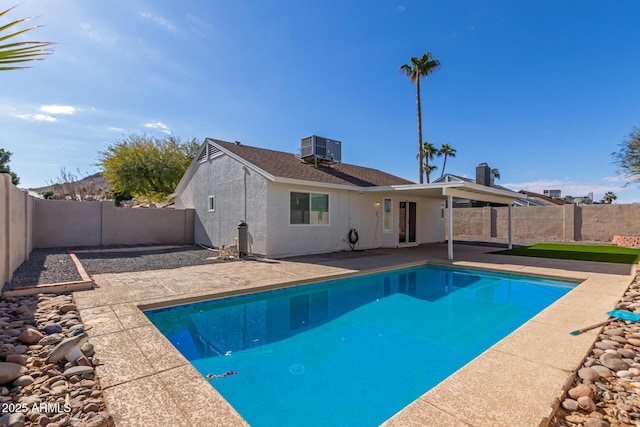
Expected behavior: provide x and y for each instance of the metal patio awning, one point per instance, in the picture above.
(458, 190)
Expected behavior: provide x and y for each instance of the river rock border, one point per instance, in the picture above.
(606, 389)
(47, 365)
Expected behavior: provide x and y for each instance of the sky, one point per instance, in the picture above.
(544, 91)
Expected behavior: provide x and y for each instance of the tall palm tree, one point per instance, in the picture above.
(447, 151)
(428, 152)
(427, 168)
(420, 67)
(19, 52)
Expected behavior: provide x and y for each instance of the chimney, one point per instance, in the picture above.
(483, 174)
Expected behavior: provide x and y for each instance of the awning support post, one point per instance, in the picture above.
(450, 226)
(510, 231)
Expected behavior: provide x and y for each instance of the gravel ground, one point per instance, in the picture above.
(47, 266)
(145, 259)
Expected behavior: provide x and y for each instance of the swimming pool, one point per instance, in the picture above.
(350, 351)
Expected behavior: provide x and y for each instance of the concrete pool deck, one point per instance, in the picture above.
(146, 381)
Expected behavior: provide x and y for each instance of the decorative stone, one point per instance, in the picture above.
(101, 419)
(586, 403)
(588, 374)
(23, 380)
(20, 359)
(83, 361)
(570, 405)
(67, 307)
(603, 371)
(16, 420)
(30, 336)
(10, 371)
(580, 390)
(78, 370)
(613, 361)
(52, 328)
(51, 339)
(68, 349)
(88, 349)
(596, 422)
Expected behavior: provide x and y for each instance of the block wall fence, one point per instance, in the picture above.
(27, 223)
(567, 223)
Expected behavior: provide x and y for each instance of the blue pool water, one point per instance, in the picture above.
(350, 352)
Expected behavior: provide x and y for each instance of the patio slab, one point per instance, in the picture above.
(516, 382)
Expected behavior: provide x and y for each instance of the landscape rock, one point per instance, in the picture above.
(30, 336)
(35, 369)
(68, 348)
(10, 371)
(52, 328)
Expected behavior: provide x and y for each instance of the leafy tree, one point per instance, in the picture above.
(447, 151)
(420, 67)
(146, 167)
(609, 197)
(496, 173)
(628, 157)
(5, 158)
(19, 52)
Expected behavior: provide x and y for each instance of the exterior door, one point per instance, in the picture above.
(407, 214)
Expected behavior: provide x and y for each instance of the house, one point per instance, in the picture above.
(313, 204)
(484, 176)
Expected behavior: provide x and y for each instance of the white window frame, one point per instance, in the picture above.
(211, 203)
(311, 193)
(387, 215)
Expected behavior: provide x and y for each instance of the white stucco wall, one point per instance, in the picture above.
(243, 194)
(240, 195)
(347, 209)
(431, 226)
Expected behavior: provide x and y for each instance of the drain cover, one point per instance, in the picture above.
(296, 369)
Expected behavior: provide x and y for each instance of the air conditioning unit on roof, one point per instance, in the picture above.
(313, 148)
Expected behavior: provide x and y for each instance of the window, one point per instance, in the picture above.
(386, 215)
(212, 203)
(308, 208)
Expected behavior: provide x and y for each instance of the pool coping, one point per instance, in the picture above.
(480, 393)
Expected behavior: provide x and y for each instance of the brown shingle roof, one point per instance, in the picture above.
(287, 165)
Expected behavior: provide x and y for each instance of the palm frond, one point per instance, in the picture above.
(20, 52)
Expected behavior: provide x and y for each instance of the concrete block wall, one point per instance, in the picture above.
(64, 223)
(564, 223)
(27, 223)
(16, 227)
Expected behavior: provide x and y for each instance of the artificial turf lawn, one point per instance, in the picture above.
(578, 252)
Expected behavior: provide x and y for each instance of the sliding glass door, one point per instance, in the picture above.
(407, 215)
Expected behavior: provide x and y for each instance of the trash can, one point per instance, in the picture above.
(243, 239)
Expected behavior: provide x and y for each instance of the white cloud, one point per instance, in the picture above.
(159, 20)
(58, 109)
(37, 117)
(100, 36)
(115, 129)
(159, 126)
